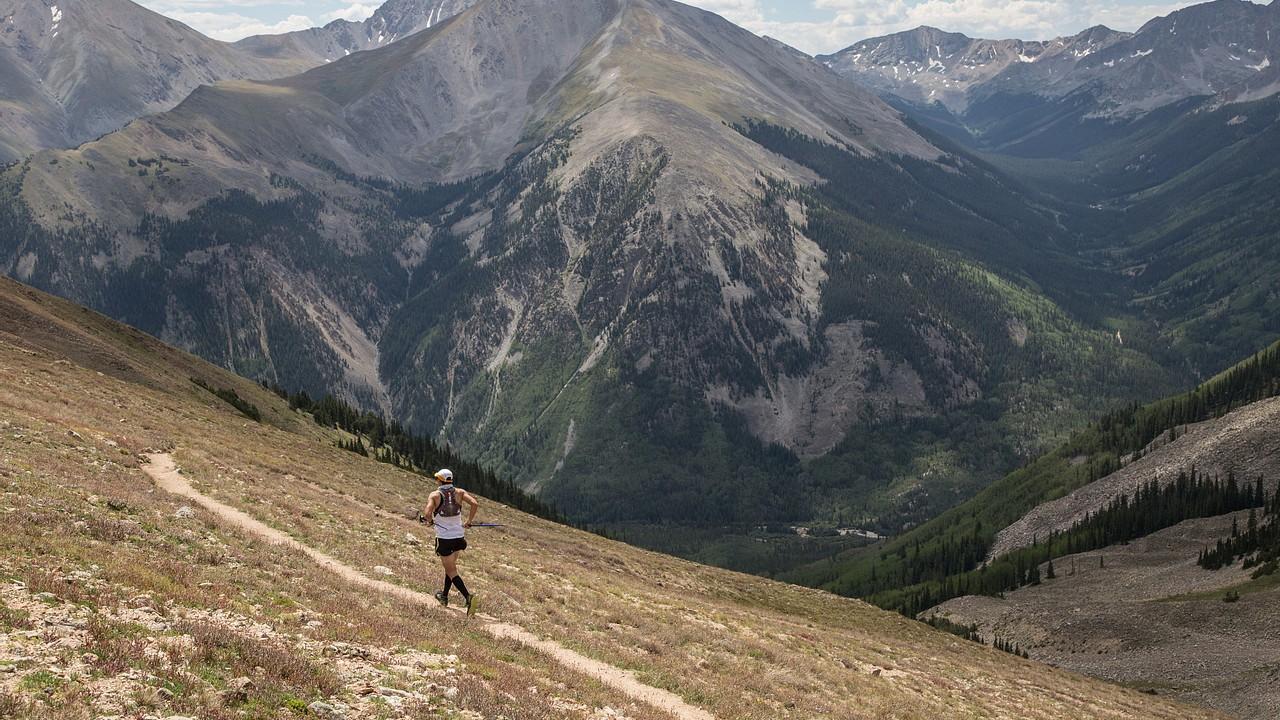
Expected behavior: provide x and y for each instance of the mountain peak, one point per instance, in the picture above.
(392, 21)
(928, 65)
(1224, 47)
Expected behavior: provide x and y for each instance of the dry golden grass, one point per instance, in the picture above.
(739, 646)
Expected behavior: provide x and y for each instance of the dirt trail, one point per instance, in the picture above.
(164, 471)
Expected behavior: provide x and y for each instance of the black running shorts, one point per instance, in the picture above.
(445, 548)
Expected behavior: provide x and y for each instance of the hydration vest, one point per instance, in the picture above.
(449, 506)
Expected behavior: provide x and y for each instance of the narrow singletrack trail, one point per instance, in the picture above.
(164, 471)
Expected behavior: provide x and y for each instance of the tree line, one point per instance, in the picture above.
(1258, 544)
(970, 633)
(390, 442)
(1153, 507)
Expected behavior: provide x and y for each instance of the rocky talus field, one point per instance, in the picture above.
(1145, 613)
(120, 599)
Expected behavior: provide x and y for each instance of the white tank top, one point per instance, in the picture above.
(449, 528)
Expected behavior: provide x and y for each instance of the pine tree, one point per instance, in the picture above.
(1049, 573)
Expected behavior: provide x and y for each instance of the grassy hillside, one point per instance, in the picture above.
(940, 559)
(159, 609)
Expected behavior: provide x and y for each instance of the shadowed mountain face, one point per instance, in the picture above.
(625, 251)
(73, 70)
(394, 20)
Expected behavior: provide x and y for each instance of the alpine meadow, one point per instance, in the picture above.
(936, 377)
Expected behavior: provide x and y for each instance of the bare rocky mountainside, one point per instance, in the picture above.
(73, 70)
(167, 555)
(539, 227)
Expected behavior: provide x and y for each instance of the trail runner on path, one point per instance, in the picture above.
(444, 511)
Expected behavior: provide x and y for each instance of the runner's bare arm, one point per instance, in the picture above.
(471, 502)
(433, 502)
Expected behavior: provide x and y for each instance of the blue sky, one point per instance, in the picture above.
(815, 26)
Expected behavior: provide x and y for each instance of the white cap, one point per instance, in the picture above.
(444, 476)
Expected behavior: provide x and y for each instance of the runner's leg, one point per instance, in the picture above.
(450, 564)
(451, 569)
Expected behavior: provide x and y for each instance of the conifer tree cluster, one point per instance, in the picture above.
(970, 632)
(1154, 507)
(1133, 428)
(232, 398)
(944, 558)
(1258, 543)
(1010, 647)
(390, 442)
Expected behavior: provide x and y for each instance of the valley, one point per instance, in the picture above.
(981, 332)
(528, 282)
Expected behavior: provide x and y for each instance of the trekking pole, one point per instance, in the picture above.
(488, 525)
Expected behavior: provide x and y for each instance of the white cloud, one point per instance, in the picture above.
(738, 11)
(168, 6)
(354, 12)
(233, 26)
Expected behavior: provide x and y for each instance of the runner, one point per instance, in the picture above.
(444, 510)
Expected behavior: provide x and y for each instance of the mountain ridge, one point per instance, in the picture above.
(919, 63)
(1221, 45)
(391, 21)
(75, 70)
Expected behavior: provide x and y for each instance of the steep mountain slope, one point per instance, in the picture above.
(1187, 205)
(74, 70)
(1244, 443)
(394, 20)
(642, 222)
(128, 577)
